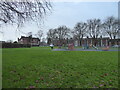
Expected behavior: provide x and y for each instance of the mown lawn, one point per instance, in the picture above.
(42, 68)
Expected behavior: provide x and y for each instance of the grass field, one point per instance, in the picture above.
(42, 68)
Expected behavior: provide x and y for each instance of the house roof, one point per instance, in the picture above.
(28, 37)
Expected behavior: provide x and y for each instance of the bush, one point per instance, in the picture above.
(15, 45)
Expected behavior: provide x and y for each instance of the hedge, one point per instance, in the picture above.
(15, 45)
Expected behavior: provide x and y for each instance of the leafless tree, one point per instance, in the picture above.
(43, 39)
(18, 11)
(51, 35)
(94, 28)
(29, 34)
(111, 27)
(40, 34)
(79, 31)
(62, 32)
(59, 33)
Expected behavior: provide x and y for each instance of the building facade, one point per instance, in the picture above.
(29, 40)
(86, 41)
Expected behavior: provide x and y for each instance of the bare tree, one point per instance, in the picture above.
(62, 32)
(40, 34)
(79, 31)
(51, 35)
(20, 11)
(94, 29)
(59, 33)
(111, 27)
(43, 39)
(29, 34)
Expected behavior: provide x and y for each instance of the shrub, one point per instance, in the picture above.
(15, 45)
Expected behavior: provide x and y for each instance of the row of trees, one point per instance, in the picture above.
(93, 28)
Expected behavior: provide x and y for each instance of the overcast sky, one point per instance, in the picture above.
(64, 13)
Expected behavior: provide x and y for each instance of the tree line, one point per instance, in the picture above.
(92, 28)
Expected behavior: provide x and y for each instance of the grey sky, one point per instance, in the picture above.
(65, 13)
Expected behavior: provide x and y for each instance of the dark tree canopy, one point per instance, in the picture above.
(20, 11)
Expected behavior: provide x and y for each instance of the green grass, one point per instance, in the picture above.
(42, 68)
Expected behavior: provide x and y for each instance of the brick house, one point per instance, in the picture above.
(29, 40)
(86, 41)
(96, 42)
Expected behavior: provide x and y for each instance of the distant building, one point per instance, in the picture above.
(29, 40)
(86, 41)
